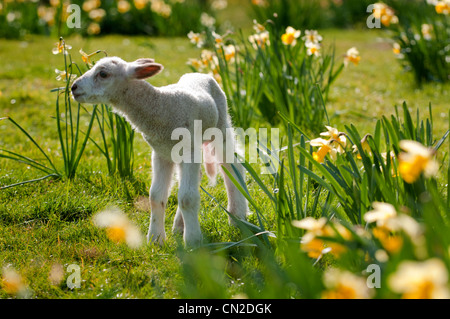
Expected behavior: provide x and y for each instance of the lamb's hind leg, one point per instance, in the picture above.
(159, 192)
(189, 202)
(237, 203)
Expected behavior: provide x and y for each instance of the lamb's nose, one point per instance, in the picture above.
(74, 87)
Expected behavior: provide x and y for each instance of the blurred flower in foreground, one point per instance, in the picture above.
(352, 56)
(421, 280)
(416, 159)
(344, 285)
(315, 228)
(118, 227)
(61, 47)
(12, 283)
(291, 36)
(389, 222)
(442, 7)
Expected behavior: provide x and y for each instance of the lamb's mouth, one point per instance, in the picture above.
(77, 95)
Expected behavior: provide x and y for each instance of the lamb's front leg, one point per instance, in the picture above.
(159, 192)
(189, 202)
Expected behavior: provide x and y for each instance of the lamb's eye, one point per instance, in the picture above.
(103, 74)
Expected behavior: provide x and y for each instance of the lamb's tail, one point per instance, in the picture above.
(210, 163)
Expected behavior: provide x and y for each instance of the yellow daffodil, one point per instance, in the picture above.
(342, 284)
(13, 283)
(421, 280)
(364, 145)
(389, 223)
(442, 7)
(352, 56)
(312, 36)
(87, 57)
(291, 36)
(196, 38)
(313, 49)
(415, 160)
(324, 149)
(123, 6)
(140, 4)
(61, 47)
(118, 227)
(316, 247)
(334, 135)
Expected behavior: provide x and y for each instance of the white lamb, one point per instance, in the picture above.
(156, 112)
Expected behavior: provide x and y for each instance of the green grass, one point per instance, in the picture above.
(49, 222)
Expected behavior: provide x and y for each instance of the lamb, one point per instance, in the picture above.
(156, 112)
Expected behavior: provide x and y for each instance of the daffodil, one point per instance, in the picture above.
(426, 30)
(123, 6)
(291, 36)
(140, 4)
(118, 227)
(442, 7)
(61, 47)
(389, 223)
(415, 160)
(259, 40)
(258, 27)
(364, 145)
(352, 56)
(385, 14)
(13, 283)
(324, 149)
(316, 247)
(62, 75)
(342, 284)
(87, 57)
(335, 136)
(421, 280)
(312, 48)
(312, 36)
(196, 38)
(196, 64)
(380, 214)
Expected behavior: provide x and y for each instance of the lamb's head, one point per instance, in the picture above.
(101, 83)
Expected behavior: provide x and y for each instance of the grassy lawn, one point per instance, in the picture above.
(48, 223)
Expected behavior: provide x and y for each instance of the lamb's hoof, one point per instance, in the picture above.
(156, 238)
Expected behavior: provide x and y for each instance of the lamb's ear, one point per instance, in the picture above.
(144, 68)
